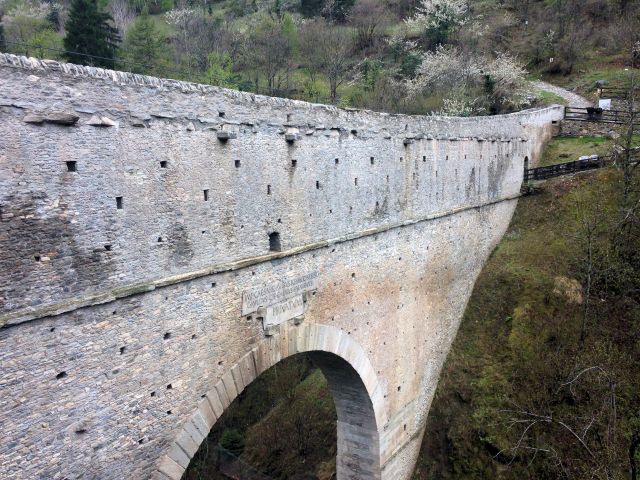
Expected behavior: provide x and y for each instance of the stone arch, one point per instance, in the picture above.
(357, 395)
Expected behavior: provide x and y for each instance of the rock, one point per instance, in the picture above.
(166, 115)
(33, 118)
(136, 122)
(98, 121)
(292, 135)
(224, 135)
(612, 134)
(601, 83)
(61, 118)
(191, 127)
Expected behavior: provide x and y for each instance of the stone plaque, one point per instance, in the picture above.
(283, 311)
(278, 292)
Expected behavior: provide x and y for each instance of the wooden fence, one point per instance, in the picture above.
(593, 114)
(591, 163)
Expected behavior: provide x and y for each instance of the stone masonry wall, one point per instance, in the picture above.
(128, 236)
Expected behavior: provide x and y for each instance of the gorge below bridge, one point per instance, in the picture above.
(163, 243)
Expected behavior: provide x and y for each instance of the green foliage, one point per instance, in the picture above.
(46, 44)
(220, 71)
(142, 46)
(89, 32)
(232, 441)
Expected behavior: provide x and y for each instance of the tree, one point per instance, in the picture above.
(367, 16)
(267, 51)
(22, 23)
(220, 71)
(122, 14)
(142, 46)
(90, 37)
(328, 50)
(438, 19)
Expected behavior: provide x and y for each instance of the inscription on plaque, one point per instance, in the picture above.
(278, 292)
(283, 311)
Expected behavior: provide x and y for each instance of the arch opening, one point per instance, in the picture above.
(351, 388)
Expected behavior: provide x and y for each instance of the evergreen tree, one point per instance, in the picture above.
(89, 32)
(143, 46)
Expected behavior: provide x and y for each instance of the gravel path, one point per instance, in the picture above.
(573, 99)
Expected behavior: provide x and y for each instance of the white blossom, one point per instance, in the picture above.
(436, 13)
(448, 69)
(179, 16)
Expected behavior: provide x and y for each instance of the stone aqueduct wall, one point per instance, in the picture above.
(121, 337)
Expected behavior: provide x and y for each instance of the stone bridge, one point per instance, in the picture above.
(163, 243)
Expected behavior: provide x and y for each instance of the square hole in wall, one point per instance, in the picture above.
(237, 163)
(119, 203)
(206, 195)
(163, 164)
(274, 242)
(294, 163)
(71, 166)
(372, 160)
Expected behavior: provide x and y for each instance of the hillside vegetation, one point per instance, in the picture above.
(454, 57)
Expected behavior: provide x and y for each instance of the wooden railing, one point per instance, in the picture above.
(590, 163)
(618, 93)
(593, 114)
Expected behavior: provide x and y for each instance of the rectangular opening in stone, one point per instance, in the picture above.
(119, 203)
(274, 242)
(71, 166)
(206, 195)
(163, 164)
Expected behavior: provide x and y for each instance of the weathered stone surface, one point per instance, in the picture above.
(139, 303)
(33, 118)
(61, 118)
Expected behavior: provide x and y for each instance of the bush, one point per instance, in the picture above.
(232, 441)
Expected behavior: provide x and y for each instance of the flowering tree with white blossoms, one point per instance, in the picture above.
(438, 18)
(471, 83)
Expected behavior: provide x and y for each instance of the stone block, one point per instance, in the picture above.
(170, 468)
